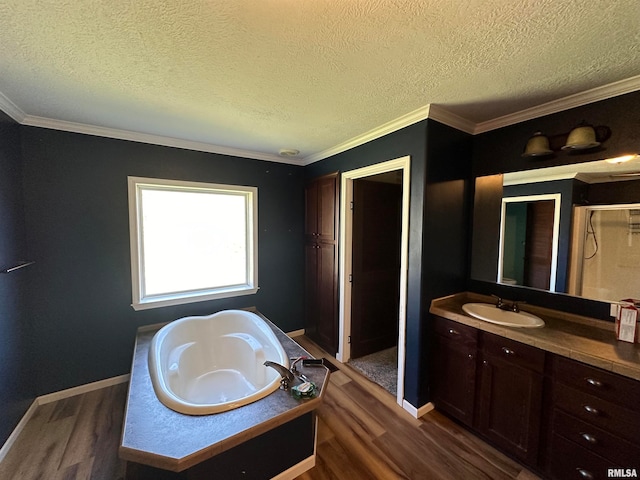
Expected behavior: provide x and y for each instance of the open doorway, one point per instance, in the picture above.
(373, 266)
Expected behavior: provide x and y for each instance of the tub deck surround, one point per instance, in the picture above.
(584, 339)
(155, 435)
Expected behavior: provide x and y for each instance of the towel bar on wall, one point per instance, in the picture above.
(17, 267)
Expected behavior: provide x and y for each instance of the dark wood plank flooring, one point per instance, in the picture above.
(362, 434)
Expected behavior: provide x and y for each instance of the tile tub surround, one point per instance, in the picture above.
(584, 339)
(155, 435)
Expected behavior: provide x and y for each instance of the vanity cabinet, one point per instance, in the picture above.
(489, 383)
(454, 368)
(321, 261)
(558, 416)
(509, 398)
(594, 421)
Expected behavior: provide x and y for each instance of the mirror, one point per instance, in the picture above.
(506, 242)
(528, 253)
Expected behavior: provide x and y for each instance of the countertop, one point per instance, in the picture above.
(584, 339)
(158, 436)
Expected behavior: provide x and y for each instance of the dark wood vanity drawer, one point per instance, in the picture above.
(614, 419)
(603, 384)
(516, 353)
(596, 440)
(570, 461)
(455, 331)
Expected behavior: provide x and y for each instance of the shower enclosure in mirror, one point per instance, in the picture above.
(605, 262)
(528, 253)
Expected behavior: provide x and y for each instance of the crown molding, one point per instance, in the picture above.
(384, 129)
(11, 109)
(572, 101)
(432, 111)
(87, 129)
(442, 115)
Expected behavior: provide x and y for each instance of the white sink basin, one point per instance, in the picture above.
(490, 313)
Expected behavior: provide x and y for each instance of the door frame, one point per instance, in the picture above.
(345, 259)
(557, 198)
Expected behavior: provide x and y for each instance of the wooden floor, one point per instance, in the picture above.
(363, 434)
(73, 438)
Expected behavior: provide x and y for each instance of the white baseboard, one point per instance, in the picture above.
(298, 469)
(417, 412)
(88, 387)
(16, 431)
(55, 396)
(296, 333)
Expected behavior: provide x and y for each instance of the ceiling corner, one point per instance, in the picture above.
(11, 109)
(442, 115)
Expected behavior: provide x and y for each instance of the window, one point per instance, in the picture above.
(191, 241)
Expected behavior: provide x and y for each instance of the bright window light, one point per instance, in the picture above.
(191, 241)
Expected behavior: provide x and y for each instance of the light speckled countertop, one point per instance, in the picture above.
(158, 436)
(587, 340)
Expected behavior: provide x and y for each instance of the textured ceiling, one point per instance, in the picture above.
(261, 75)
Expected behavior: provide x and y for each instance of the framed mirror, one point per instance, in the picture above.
(577, 191)
(528, 252)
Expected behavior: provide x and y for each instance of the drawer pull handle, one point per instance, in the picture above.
(508, 351)
(593, 382)
(453, 332)
(591, 410)
(589, 438)
(585, 473)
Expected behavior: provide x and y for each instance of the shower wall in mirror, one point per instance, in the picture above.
(606, 258)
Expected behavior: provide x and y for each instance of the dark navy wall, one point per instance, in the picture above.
(77, 228)
(16, 392)
(438, 220)
(407, 141)
(500, 150)
(446, 230)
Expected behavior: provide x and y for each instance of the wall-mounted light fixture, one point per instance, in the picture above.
(537, 146)
(582, 137)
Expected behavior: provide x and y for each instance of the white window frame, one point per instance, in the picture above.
(139, 300)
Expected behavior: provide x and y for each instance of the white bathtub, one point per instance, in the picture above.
(211, 364)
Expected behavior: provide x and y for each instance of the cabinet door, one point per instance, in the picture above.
(510, 400)
(321, 295)
(327, 208)
(311, 210)
(321, 268)
(454, 377)
(312, 313)
(327, 298)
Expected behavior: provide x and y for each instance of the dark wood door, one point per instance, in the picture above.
(321, 264)
(539, 244)
(509, 408)
(375, 294)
